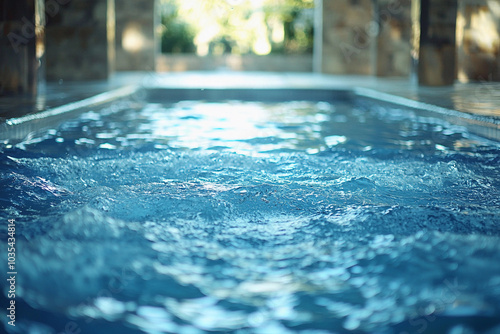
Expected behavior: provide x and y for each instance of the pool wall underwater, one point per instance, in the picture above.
(393, 230)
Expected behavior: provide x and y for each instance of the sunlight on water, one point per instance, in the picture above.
(241, 217)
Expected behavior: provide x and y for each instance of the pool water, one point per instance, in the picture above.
(246, 217)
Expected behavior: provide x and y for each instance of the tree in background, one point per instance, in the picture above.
(297, 18)
(177, 34)
(237, 26)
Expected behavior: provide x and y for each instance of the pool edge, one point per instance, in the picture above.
(486, 127)
(19, 128)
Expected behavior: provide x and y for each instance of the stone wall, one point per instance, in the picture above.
(135, 35)
(380, 37)
(393, 38)
(269, 63)
(21, 46)
(348, 39)
(478, 40)
(366, 37)
(437, 59)
(80, 39)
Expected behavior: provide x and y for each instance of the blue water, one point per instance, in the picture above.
(244, 217)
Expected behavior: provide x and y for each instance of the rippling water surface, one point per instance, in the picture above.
(242, 217)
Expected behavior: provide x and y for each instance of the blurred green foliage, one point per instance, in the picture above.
(237, 26)
(177, 35)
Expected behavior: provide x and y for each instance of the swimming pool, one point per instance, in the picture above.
(232, 211)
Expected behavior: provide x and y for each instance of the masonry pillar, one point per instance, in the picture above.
(21, 46)
(478, 40)
(80, 39)
(394, 38)
(437, 51)
(135, 35)
(349, 32)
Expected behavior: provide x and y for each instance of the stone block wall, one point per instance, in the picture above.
(348, 38)
(455, 38)
(366, 37)
(446, 39)
(80, 39)
(478, 40)
(135, 35)
(393, 38)
(437, 59)
(22, 46)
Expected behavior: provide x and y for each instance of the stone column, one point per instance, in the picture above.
(22, 46)
(437, 52)
(80, 39)
(394, 37)
(349, 33)
(478, 40)
(135, 35)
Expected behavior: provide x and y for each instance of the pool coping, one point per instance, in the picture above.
(483, 126)
(17, 129)
(21, 127)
